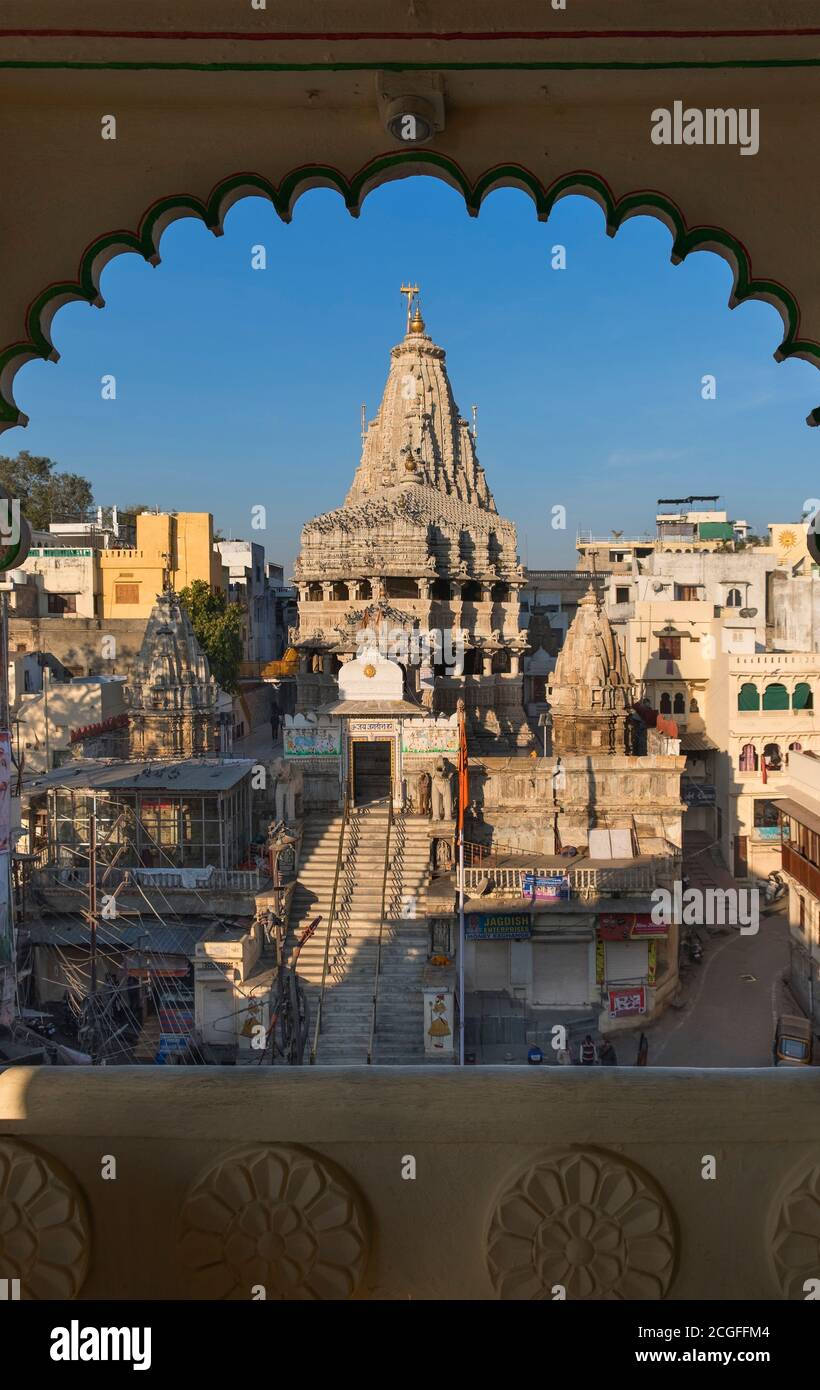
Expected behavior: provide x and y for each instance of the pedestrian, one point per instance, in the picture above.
(643, 1051)
(589, 1053)
(607, 1055)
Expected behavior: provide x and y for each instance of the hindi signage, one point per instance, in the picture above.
(624, 1002)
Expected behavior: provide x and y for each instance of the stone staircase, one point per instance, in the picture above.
(345, 1035)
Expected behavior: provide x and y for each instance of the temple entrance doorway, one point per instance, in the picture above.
(371, 763)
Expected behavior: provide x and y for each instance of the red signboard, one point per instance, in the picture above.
(626, 1001)
(625, 926)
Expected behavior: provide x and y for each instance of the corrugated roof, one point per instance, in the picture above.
(177, 938)
(806, 812)
(195, 774)
(696, 743)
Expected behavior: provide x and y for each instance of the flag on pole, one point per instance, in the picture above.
(463, 769)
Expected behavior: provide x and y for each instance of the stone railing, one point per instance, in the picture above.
(380, 1183)
(583, 882)
(239, 880)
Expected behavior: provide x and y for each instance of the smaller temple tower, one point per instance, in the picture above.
(591, 691)
(172, 696)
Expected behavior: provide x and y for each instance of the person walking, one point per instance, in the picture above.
(589, 1052)
(274, 723)
(607, 1055)
(643, 1051)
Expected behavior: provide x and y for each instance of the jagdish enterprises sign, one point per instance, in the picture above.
(498, 926)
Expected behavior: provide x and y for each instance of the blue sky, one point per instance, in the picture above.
(238, 386)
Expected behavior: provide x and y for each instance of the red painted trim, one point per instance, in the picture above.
(458, 36)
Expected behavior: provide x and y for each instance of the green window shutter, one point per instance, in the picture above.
(802, 698)
(748, 698)
(775, 697)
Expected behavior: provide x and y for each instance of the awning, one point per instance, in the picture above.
(807, 814)
(696, 743)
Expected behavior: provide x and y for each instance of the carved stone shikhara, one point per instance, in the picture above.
(172, 697)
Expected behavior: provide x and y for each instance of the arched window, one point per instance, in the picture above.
(694, 707)
(666, 703)
(679, 706)
(776, 696)
(774, 760)
(733, 599)
(803, 697)
(793, 748)
(748, 697)
(748, 758)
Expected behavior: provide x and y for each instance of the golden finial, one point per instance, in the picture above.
(410, 291)
(417, 325)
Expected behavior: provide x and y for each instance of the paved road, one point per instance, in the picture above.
(729, 1018)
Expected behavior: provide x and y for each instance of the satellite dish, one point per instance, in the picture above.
(617, 535)
(748, 612)
(657, 586)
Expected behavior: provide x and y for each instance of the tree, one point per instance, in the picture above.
(43, 494)
(217, 625)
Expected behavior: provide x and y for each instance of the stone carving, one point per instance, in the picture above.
(276, 1216)
(289, 786)
(44, 1232)
(422, 799)
(172, 696)
(590, 691)
(794, 1240)
(442, 791)
(590, 1222)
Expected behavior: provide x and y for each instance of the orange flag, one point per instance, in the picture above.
(463, 773)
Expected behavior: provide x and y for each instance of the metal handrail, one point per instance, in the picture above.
(329, 930)
(381, 933)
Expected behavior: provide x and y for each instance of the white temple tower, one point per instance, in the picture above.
(419, 556)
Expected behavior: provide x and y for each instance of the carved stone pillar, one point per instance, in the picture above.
(327, 592)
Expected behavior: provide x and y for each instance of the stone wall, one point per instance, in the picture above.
(199, 1147)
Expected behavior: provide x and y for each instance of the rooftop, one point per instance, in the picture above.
(195, 774)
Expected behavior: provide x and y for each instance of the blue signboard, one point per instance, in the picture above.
(498, 926)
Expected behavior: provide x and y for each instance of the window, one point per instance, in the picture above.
(679, 706)
(622, 594)
(802, 697)
(686, 593)
(669, 648)
(694, 707)
(126, 593)
(62, 603)
(775, 696)
(733, 599)
(802, 902)
(748, 758)
(666, 703)
(748, 697)
(773, 757)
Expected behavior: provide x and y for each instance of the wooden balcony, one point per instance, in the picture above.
(801, 869)
(293, 1181)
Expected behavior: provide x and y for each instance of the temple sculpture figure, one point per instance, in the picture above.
(172, 696)
(417, 559)
(590, 691)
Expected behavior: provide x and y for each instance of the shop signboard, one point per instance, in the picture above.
(698, 793)
(498, 926)
(629, 926)
(627, 1001)
(545, 887)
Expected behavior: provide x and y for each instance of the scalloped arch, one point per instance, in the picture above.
(382, 169)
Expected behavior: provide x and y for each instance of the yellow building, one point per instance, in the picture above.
(179, 545)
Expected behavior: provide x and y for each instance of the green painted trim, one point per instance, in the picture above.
(145, 241)
(676, 65)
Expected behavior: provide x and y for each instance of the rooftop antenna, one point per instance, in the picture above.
(410, 291)
(364, 422)
(474, 409)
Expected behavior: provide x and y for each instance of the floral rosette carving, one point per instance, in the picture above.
(44, 1237)
(277, 1217)
(794, 1244)
(587, 1222)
